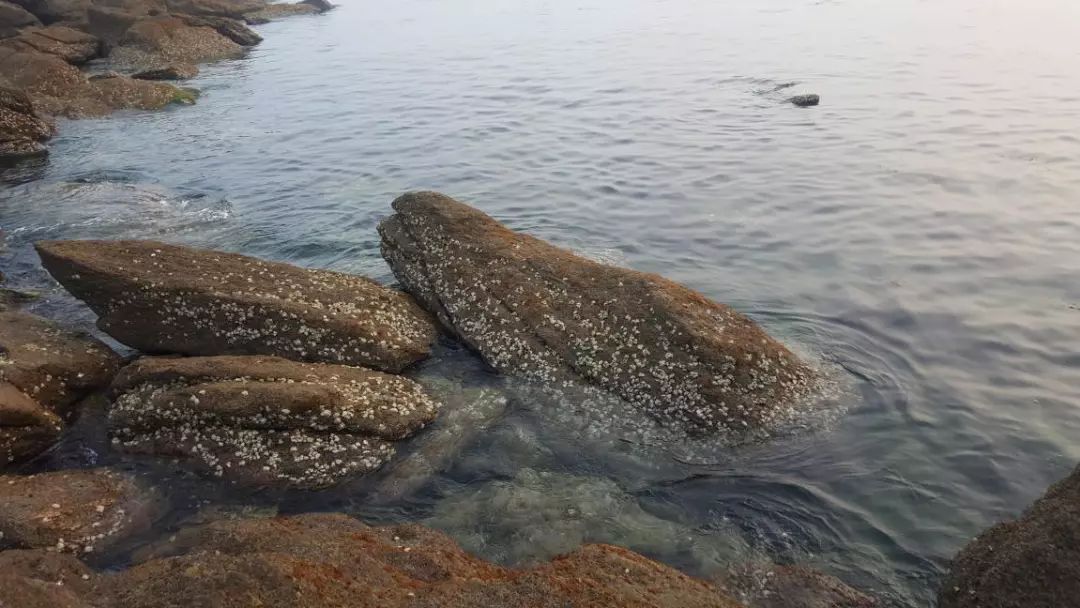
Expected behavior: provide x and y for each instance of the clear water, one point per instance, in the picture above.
(920, 230)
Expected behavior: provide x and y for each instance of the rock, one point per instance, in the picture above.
(265, 420)
(805, 101)
(26, 428)
(77, 511)
(232, 29)
(109, 24)
(53, 11)
(22, 129)
(51, 365)
(162, 298)
(322, 560)
(219, 8)
(776, 586)
(278, 11)
(174, 71)
(539, 312)
(13, 18)
(1032, 562)
(162, 40)
(42, 579)
(11, 299)
(71, 45)
(58, 88)
(320, 5)
(22, 592)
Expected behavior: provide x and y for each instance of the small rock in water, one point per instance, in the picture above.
(176, 71)
(805, 101)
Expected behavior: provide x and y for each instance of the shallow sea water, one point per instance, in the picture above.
(919, 232)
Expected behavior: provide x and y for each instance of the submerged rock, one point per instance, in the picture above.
(265, 420)
(804, 101)
(542, 313)
(163, 298)
(1032, 562)
(78, 511)
(766, 585)
(321, 560)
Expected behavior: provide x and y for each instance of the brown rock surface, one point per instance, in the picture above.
(22, 129)
(53, 11)
(220, 8)
(26, 428)
(156, 41)
(233, 29)
(540, 312)
(71, 45)
(1032, 562)
(14, 17)
(174, 71)
(333, 560)
(278, 11)
(265, 420)
(776, 586)
(168, 298)
(77, 511)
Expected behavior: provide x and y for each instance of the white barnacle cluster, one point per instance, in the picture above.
(201, 302)
(542, 314)
(307, 430)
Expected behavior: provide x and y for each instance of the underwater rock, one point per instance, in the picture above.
(545, 314)
(1032, 562)
(278, 11)
(174, 71)
(71, 45)
(78, 511)
(14, 17)
(158, 41)
(767, 585)
(22, 129)
(320, 560)
(805, 101)
(265, 420)
(162, 298)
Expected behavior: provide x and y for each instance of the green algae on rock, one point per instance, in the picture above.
(540, 312)
(162, 298)
(265, 420)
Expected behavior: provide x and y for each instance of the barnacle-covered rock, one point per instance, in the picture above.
(158, 41)
(22, 129)
(768, 585)
(78, 511)
(1031, 562)
(163, 298)
(540, 312)
(266, 420)
(71, 45)
(319, 560)
(26, 427)
(42, 579)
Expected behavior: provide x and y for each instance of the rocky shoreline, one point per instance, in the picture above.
(88, 58)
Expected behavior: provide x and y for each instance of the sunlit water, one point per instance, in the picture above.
(919, 231)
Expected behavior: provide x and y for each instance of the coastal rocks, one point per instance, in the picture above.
(78, 511)
(219, 8)
(175, 71)
(766, 585)
(58, 88)
(278, 11)
(1032, 562)
(14, 17)
(232, 29)
(322, 560)
(265, 420)
(52, 11)
(162, 40)
(71, 45)
(162, 298)
(539, 312)
(26, 428)
(21, 128)
(805, 101)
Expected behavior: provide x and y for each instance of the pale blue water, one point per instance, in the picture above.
(920, 229)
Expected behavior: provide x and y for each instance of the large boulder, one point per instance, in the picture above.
(265, 420)
(71, 45)
(58, 88)
(323, 560)
(13, 18)
(172, 71)
(77, 511)
(52, 11)
(170, 39)
(22, 129)
(540, 312)
(162, 298)
(1032, 562)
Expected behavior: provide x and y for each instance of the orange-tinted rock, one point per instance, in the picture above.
(71, 45)
(156, 41)
(774, 586)
(22, 129)
(1032, 562)
(163, 298)
(543, 313)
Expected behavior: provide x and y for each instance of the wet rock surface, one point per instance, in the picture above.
(334, 560)
(805, 101)
(265, 420)
(542, 313)
(1032, 562)
(176, 71)
(79, 511)
(167, 298)
(26, 427)
(761, 585)
(22, 129)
